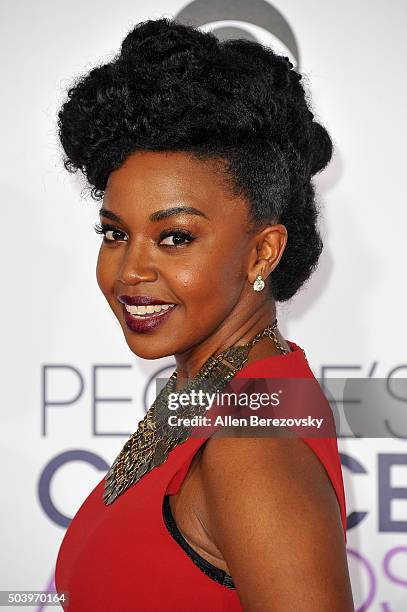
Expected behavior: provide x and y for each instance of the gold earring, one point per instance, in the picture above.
(258, 284)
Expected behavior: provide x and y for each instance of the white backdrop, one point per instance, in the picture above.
(57, 330)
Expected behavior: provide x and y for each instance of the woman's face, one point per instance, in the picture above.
(193, 263)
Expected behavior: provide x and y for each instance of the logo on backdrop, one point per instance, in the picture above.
(241, 15)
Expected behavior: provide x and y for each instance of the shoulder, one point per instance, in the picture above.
(271, 468)
(274, 515)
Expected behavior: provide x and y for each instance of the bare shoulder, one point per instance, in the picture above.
(273, 514)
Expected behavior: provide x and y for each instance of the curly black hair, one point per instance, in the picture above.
(173, 87)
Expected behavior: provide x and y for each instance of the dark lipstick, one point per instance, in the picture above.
(147, 321)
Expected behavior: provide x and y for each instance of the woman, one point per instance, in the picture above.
(203, 153)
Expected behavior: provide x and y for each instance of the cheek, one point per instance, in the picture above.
(104, 272)
(216, 278)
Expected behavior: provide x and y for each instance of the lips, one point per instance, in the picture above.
(141, 321)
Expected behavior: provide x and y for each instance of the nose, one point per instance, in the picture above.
(137, 266)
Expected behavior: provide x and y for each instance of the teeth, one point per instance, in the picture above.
(150, 309)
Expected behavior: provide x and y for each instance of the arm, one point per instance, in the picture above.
(273, 514)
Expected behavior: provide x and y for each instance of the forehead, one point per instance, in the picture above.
(156, 179)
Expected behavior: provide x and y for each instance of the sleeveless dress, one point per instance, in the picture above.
(130, 555)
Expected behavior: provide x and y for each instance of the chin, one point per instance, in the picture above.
(141, 346)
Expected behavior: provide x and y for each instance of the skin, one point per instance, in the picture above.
(271, 543)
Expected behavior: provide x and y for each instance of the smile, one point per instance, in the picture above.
(144, 319)
(145, 312)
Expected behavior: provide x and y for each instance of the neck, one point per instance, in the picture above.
(230, 333)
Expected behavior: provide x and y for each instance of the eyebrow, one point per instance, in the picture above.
(158, 214)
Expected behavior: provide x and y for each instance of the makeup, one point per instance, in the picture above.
(144, 313)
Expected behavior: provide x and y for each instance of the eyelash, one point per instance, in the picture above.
(105, 227)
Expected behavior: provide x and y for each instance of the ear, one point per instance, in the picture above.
(268, 248)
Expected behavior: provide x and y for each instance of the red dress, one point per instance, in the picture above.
(127, 557)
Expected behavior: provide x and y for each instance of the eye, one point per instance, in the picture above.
(175, 238)
(110, 232)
